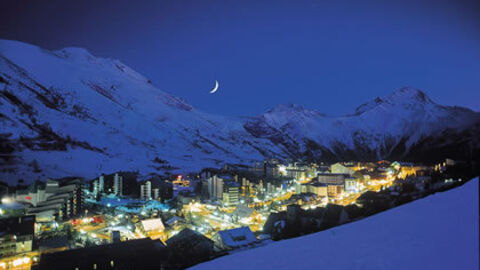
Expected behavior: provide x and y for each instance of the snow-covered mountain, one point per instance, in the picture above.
(437, 232)
(386, 127)
(70, 113)
(67, 112)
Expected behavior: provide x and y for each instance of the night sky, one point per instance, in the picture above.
(325, 55)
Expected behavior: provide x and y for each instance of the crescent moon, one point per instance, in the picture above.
(214, 88)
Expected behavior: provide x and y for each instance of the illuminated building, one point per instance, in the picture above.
(270, 188)
(63, 199)
(351, 184)
(151, 227)
(442, 167)
(99, 185)
(319, 189)
(331, 178)
(146, 191)
(339, 168)
(231, 193)
(118, 184)
(16, 235)
(155, 193)
(215, 188)
(180, 181)
(296, 171)
(334, 190)
(33, 194)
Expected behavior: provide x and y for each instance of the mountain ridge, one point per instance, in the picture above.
(67, 112)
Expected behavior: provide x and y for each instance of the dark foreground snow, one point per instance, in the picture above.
(438, 232)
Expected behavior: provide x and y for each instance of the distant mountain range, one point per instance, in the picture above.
(66, 112)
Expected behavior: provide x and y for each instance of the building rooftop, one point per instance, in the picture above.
(237, 237)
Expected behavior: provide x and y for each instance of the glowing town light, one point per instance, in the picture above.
(6, 200)
(20, 261)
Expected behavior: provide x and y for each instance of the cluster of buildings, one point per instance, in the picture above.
(228, 207)
(103, 186)
(223, 189)
(17, 234)
(53, 200)
(147, 193)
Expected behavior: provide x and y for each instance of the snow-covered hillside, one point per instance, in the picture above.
(383, 128)
(67, 113)
(70, 113)
(440, 231)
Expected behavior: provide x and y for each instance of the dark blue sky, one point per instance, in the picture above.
(325, 55)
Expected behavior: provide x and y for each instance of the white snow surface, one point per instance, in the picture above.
(113, 109)
(407, 114)
(440, 231)
(109, 118)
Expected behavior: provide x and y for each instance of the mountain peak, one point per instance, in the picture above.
(405, 95)
(288, 107)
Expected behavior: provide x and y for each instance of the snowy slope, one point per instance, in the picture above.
(70, 113)
(67, 113)
(438, 232)
(383, 128)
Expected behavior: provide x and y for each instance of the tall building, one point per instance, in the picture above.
(63, 199)
(155, 193)
(215, 187)
(231, 193)
(99, 185)
(117, 184)
(146, 191)
(270, 188)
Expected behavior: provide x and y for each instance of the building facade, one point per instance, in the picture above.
(215, 188)
(146, 191)
(16, 235)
